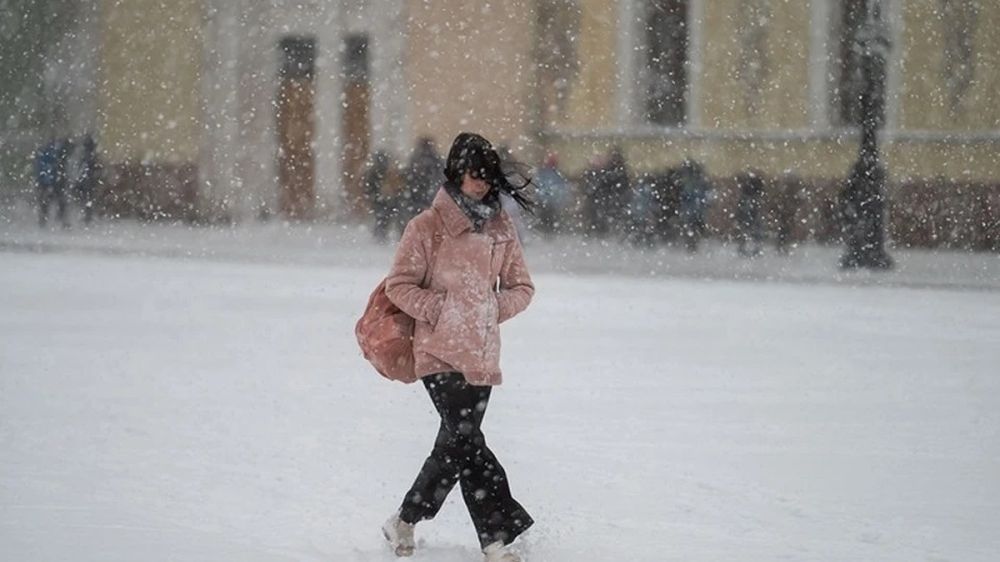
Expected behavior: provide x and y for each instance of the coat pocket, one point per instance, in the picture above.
(445, 305)
(498, 254)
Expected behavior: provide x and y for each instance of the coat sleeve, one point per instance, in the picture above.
(409, 269)
(516, 288)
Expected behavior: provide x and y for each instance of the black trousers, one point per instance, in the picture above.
(460, 455)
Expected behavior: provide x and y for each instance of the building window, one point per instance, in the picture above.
(665, 65)
(299, 59)
(356, 57)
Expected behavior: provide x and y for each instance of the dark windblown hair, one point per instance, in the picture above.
(474, 154)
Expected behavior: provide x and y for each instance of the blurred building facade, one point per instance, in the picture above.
(239, 109)
(764, 83)
(235, 109)
(773, 85)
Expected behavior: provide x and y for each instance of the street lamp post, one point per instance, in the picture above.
(864, 196)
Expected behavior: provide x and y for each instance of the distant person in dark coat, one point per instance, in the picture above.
(749, 230)
(608, 192)
(85, 182)
(666, 205)
(589, 180)
(50, 170)
(615, 192)
(424, 175)
(696, 192)
(789, 199)
(643, 210)
(553, 194)
(383, 192)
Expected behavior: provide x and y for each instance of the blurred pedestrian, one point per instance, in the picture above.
(459, 272)
(608, 191)
(666, 204)
(642, 211)
(553, 195)
(749, 230)
(50, 170)
(424, 175)
(696, 193)
(86, 169)
(789, 200)
(590, 190)
(383, 191)
(614, 193)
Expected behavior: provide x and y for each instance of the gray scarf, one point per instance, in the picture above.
(478, 211)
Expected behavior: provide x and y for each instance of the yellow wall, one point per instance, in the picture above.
(592, 97)
(972, 161)
(468, 66)
(720, 103)
(813, 158)
(150, 94)
(923, 96)
(784, 99)
(785, 102)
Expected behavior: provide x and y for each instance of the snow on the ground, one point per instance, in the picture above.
(178, 409)
(350, 245)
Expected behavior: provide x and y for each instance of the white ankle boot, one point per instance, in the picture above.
(400, 536)
(498, 552)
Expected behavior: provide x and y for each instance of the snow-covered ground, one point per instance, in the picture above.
(155, 407)
(350, 245)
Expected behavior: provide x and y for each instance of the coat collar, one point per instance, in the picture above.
(455, 221)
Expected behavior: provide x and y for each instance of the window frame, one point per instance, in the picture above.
(634, 75)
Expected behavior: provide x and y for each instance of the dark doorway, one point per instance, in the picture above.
(296, 94)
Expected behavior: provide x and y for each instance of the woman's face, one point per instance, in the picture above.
(474, 188)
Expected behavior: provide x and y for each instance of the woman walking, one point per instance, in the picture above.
(459, 272)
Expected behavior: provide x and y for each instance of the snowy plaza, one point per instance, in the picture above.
(744, 256)
(159, 406)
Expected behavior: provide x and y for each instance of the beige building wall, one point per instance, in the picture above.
(777, 136)
(961, 161)
(926, 100)
(150, 70)
(781, 101)
(468, 66)
(735, 95)
(592, 96)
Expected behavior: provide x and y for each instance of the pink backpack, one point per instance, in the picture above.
(385, 333)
